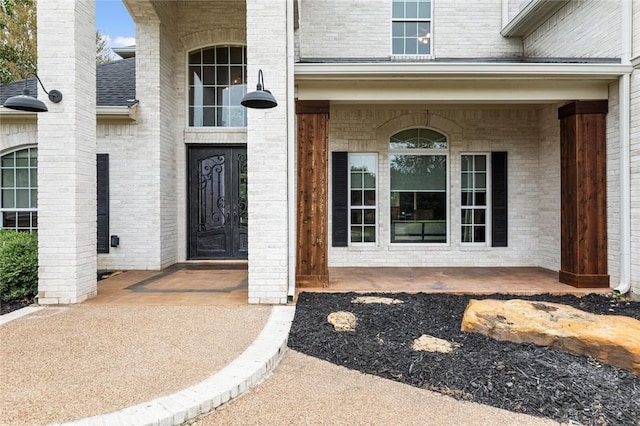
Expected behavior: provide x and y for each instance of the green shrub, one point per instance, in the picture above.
(18, 266)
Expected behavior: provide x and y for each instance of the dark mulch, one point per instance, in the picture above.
(524, 378)
(6, 307)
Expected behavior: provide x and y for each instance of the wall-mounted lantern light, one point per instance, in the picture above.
(261, 98)
(26, 102)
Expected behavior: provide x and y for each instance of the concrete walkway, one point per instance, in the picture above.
(302, 390)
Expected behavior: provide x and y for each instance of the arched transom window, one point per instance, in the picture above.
(19, 190)
(418, 160)
(217, 83)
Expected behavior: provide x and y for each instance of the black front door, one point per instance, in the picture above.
(217, 203)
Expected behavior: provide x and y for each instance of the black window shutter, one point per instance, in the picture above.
(499, 234)
(340, 198)
(103, 202)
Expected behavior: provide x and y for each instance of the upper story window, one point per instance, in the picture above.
(411, 27)
(19, 190)
(418, 162)
(217, 83)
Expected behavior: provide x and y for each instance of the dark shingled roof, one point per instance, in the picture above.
(115, 84)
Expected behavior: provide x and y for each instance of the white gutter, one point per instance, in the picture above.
(625, 164)
(291, 159)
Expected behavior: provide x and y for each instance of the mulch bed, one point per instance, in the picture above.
(6, 307)
(523, 378)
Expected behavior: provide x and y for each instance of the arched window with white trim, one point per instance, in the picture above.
(19, 190)
(217, 82)
(418, 174)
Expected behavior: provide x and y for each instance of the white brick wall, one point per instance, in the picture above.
(515, 130)
(582, 28)
(267, 155)
(362, 29)
(549, 188)
(67, 161)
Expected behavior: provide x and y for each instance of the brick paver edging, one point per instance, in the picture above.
(240, 375)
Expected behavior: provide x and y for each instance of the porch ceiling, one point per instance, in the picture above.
(455, 82)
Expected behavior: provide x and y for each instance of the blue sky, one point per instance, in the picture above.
(113, 21)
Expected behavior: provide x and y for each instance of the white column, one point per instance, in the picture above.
(67, 152)
(267, 153)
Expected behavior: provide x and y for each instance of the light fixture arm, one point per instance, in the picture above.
(55, 96)
(260, 80)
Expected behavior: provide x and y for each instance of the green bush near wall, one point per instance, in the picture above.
(18, 266)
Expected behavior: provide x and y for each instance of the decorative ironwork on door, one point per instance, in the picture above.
(217, 203)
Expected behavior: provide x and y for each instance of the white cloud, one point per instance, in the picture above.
(123, 41)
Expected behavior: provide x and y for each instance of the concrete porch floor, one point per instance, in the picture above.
(226, 284)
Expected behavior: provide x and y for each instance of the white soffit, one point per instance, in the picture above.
(455, 82)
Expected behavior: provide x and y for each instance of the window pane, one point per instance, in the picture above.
(467, 198)
(356, 217)
(479, 217)
(9, 220)
(8, 160)
(398, 9)
(356, 180)
(410, 46)
(481, 163)
(418, 172)
(195, 57)
(34, 177)
(481, 180)
(236, 75)
(424, 48)
(222, 55)
(369, 180)
(195, 75)
(236, 55)
(418, 138)
(481, 199)
(411, 9)
(369, 234)
(424, 10)
(7, 178)
(356, 234)
(237, 116)
(8, 198)
(398, 46)
(208, 56)
(209, 76)
(479, 234)
(356, 198)
(22, 158)
(467, 234)
(370, 198)
(370, 217)
(34, 198)
(22, 198)
(208, 116)
(208, 96)
(222, 76)
(466, 181)
(467, 217)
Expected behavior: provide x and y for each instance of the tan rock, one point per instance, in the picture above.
(433, 344)
(612, 339)
(376, 299)
(342, 321)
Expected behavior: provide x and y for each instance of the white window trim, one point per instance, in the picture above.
(487, 238)
(404, 56)
(18, 209)
(444, 152)
(189, 128)
(374, 207)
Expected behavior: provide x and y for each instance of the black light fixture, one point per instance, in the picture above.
(261, 98)
(26, 102)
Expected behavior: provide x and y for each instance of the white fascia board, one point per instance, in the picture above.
(112, 113)
(534, 14)
(13, 116)
(456, 71)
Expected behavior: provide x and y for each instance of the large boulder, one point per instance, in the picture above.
(612, 339)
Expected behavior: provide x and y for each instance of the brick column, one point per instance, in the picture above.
(267, 153)
(67, 152)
